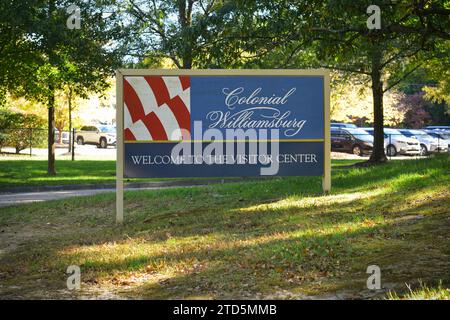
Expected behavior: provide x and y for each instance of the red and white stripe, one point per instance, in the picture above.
(156, 107)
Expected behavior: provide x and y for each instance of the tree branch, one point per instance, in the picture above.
(403, 77)
(344, 69)
(401, 55)
(338, 31)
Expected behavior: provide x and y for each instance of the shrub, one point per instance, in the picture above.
(17, 130)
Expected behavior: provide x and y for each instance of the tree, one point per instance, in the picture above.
(352, 101)
(335, 35)
(79, 83)
(63, 111)
(414, 106)
(16, 52)
(438, 70)
(60, 56)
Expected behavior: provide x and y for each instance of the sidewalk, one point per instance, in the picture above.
(11, 199)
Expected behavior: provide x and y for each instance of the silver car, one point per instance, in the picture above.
(396, 143)
(441, 135)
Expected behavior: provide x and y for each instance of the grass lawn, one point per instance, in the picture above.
(275, 238)
(423, 293)
(23, 172)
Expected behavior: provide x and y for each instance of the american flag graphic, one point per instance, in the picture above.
(156, 108)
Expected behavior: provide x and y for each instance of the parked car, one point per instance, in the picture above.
(445, 128)
(396, 143)
(343, 125)
(428, 143)
(102, 136)
(65, 136)
(441, 136)
(356, 141)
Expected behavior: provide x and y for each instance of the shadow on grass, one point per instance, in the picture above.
(288, 260)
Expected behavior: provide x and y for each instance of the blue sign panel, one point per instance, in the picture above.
(147, 160)
(294, 105)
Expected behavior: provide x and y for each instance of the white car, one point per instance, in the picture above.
(442, 136)
(396, 143)
(65, 136)
(428, 143)
(102, 136)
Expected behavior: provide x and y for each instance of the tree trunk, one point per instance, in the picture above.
(51, 99)
(187, 61)
(51, 135)
(378, 154)
(60, 129)
(185, 19)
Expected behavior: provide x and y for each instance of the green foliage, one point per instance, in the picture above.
(3, 139)
(334, 35)
(15, 50)
(19, 130)
(191, 34)
(80, 58)
(432, 80)
(50, 56)
(438, 69)
(41, 55)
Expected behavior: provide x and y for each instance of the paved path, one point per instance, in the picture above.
(9, 199)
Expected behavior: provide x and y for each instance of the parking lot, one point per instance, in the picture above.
(91, 152)
(348, 138)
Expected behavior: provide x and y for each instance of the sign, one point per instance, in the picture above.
(222, 123)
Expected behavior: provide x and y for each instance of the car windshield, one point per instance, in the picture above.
(392, 131)
(439, 135)
(371, 130)
(360, 134)
(407, 133)
(368, 130)
(108, 129)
